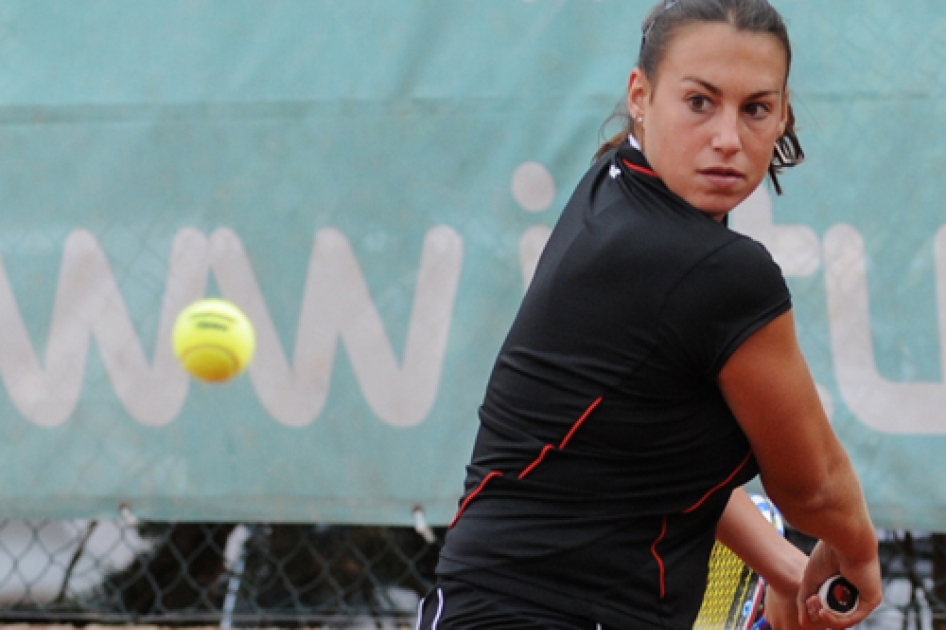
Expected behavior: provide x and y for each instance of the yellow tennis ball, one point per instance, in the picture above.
(213, 340)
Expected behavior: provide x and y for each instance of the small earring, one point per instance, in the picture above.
(640, 120)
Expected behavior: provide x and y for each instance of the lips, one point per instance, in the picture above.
(723, 176)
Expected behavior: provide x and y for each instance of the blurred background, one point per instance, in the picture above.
(372, 183)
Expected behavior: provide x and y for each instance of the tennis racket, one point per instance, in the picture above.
(733, 598)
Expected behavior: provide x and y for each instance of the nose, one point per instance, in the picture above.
(726, 138)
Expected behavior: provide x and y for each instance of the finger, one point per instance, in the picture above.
(805, 618)
(812, 608)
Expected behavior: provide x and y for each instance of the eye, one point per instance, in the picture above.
(758, 111)
(698, 103)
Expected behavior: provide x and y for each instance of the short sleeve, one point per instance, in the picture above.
(720, 303)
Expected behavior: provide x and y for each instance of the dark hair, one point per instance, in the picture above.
(754, 16)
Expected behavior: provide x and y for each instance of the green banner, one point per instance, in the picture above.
(372, 183)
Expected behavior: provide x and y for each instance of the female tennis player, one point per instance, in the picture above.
(653, 368)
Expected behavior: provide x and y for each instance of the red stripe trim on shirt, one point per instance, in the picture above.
(639, 169)
(533, 465)
(546, 449)
(721, 484)
(571, 433)
(473, 494)
(660, 562)
(580, 420)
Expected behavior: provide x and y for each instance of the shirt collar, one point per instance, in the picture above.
(634, 159)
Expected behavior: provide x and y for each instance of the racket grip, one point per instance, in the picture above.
(839, 595)
(836, 594)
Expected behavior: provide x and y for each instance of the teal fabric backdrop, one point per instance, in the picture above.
(372, 182)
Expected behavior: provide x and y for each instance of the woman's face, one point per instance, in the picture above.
(713, 113)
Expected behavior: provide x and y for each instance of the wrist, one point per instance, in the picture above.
(861, 550)
(789, 570)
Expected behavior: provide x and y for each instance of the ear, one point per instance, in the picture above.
(638, 93)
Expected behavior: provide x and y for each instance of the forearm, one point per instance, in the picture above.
(834, 510)
(750, 536)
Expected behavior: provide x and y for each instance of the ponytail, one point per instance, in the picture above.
(627, 128)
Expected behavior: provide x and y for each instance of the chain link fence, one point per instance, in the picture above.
(252, 575)
(213, 573)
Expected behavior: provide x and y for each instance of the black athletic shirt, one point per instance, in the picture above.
(606, 452)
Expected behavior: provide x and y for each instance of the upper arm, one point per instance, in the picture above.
(768, 387)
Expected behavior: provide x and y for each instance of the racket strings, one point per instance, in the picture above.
(730, 585)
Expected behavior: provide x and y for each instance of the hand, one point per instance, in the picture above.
(822, 564)
(781, 610)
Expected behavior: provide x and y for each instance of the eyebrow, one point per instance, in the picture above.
(709, 87)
